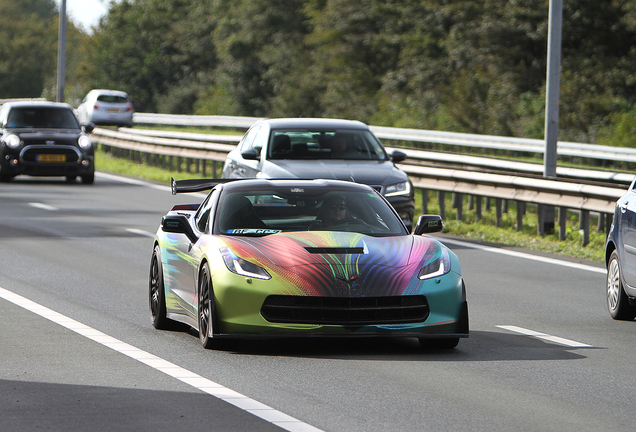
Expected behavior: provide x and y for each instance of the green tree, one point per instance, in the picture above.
(260, 48)
(28, 52)
(154, 49)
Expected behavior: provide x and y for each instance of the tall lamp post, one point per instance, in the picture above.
(61, 53)
(553, 80)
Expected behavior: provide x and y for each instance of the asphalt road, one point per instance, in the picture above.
(78, 351)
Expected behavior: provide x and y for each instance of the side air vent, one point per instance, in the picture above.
(336, 250)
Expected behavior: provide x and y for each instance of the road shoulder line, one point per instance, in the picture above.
(205, 385)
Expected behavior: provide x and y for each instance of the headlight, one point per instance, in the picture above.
(12, 141)
(241, 267)
(84, 141)
(437, 266)
(403, 188)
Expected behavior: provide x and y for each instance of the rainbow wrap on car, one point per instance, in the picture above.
(319, 264)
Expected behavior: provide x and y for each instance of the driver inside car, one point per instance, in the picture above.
(332, 211)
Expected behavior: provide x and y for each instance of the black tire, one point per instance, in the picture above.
(206, 308)
(617, 300)
(157, 294)
(437, 344)
(88, 178)
(4, 178)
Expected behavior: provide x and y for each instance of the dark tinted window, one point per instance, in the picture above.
(272, 210)
(325, 144)
(112, 99)
(42, 117)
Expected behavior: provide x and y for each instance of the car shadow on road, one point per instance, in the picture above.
(481, 346)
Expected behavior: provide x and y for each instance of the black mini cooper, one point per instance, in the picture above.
(44, 139)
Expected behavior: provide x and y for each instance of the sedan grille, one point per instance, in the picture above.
(345, 310)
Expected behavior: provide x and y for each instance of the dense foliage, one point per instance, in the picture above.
(459, 65)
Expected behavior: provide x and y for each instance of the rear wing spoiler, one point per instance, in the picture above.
(195, 185)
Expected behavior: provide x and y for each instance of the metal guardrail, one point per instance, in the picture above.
(523, 145)
(584, 198)
(422, 156)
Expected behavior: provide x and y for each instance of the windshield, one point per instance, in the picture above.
(42, 118)
(333, 144)
(264, 212)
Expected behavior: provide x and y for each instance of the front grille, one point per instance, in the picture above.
(29, 154)
(345, 310)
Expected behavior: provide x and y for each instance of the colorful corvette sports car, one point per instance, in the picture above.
(290, 258)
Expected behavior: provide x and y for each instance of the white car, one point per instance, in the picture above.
(106, 107)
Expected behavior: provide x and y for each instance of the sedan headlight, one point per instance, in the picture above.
(437, 266)
(84, 142)
(402, 188)
(12, 141)
(242, 267)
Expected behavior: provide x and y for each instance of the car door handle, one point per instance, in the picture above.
(623, 206)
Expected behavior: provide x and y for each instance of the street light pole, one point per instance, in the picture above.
(553, 81)
(61, 53)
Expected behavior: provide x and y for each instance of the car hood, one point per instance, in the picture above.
(30, 134)
(340, 263)
(362, 171)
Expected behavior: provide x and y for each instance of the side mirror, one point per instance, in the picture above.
(251, 154)
(178, 224)
(88, 127)
(398, 156)
(428, 224)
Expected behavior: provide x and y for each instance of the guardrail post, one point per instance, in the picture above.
(609, 219)
(471, 202)
(459, 204)
(203, 164)
(498, 211)
(505, 206)
(562, 222)
(585, 219)
(487, 204)
(540, 219)
(441, 199)
(477, 208)
(424, 194)
(521, 210)
(601, 223)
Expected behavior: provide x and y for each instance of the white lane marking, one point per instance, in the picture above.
(133, 181)
(524, 256)
(205, 385)
(143, 183)
(544, 336)
(44, 206)
(140, 232)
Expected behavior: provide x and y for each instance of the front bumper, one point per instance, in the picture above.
(44, 160)
(239, 306)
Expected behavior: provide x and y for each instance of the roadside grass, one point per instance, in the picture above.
(105, 161)
(484, 230)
